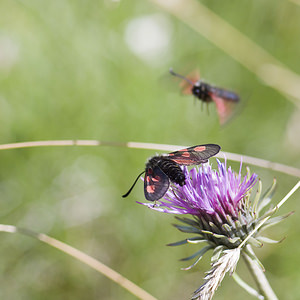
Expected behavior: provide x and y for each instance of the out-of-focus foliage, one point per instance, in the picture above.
(99, 70)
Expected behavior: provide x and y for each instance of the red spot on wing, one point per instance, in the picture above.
(182, 150)
(185, 154)
(150, 189)
(199, 148)
(156, 178)
(184, 161)
(224, 108)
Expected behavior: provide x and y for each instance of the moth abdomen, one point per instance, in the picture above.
(170, 168)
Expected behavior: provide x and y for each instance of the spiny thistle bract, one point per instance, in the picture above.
(223, 216)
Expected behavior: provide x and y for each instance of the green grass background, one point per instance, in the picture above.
(66, 72)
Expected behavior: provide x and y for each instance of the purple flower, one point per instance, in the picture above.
(219, 202)
(223, 212)
(207, 192)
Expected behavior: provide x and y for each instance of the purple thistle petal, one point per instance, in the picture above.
(207, 191)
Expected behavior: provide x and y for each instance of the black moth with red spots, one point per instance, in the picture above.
(224, 99)
(162, 169)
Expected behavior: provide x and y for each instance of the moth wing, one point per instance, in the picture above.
(186, 87)
(225, 108)
(194, 155)
(156, 183)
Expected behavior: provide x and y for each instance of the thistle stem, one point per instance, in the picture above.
(259, 276)
(247, 287)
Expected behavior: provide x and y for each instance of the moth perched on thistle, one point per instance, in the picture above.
(224, 216)
(225, 100)
(162, 169)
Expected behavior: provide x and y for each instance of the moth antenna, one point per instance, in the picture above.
(180, 76)
(125, 195)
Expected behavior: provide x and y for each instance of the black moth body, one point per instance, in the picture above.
(169, 167)
(206, 92)
(162, 169)
(201, 91)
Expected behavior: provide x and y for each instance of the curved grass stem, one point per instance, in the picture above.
(83, 257)
(152, 146)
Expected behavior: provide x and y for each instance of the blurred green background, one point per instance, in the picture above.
(99, 70)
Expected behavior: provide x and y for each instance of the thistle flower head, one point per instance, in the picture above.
(208, 192)
(217, 201)
(223, 215)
